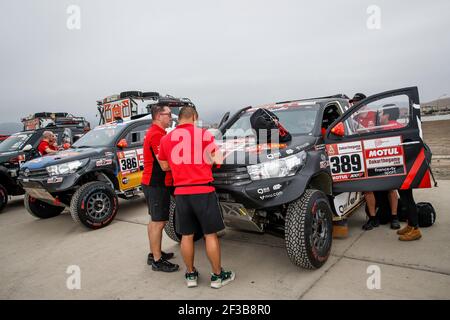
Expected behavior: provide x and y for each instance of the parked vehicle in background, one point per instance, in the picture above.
(21, 147)
(41, 120)
(3, 137)
(130, 104)
(104, 165)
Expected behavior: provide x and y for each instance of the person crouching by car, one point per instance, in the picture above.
(190, 152)
(48, 143)
(156, 186)
(388, 121)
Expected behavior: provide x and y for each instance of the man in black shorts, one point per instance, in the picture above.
(156, 185)
(190, 152)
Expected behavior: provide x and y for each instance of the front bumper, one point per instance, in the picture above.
(264, 194)
(55, 184)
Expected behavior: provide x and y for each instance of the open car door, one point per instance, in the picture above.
(377, 144)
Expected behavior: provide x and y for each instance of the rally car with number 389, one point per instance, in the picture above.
(296, 189)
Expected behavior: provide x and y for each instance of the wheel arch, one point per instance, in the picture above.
(323, 182)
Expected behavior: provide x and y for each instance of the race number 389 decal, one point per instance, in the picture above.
(346, 160)
(366, 159)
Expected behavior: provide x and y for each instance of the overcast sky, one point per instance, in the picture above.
(222, 54)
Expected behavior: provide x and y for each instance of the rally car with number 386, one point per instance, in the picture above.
(104, 164)
(298, 188)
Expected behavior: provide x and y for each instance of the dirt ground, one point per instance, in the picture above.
(437, 135)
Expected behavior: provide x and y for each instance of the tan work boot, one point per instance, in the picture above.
(340, 229)
(414, 234)
(404, 230)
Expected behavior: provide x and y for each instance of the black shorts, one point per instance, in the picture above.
(198, 212)
(158, 202)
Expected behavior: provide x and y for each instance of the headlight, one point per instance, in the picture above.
(279, 168)
(66, 168)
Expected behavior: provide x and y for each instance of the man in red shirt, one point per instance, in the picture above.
(156, 186)
(47, 144)
(190, 152)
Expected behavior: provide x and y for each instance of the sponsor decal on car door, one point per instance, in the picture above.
(385, 153)
(131, 165)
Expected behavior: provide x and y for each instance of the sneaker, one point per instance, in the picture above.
(395, 224)
(414, 234)
(371, 223)
(164, 266)
(164, 255)
(225, 277)
(191, 278)
(405, 230)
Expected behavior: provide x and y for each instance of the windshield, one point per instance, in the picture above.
(100, 136)
(297, 120)
(15, 142)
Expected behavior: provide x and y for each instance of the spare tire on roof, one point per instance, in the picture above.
(150, 94)
(130, 94)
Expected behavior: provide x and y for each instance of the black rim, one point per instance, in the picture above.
(320, 230)
(98, 206)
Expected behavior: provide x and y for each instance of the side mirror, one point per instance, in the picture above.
(122, 143)
(338, 130)
(28, 147)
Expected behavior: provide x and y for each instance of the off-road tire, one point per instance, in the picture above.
(299, 229)
(3, 197)
(130, 94)
(170, 225)
(87, 197)
(40, 209)
(150, 94)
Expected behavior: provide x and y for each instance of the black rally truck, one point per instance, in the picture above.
(296, 189)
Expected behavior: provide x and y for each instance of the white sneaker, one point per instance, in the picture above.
(191, 279)
(225, 277)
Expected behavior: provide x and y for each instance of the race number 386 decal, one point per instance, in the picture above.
(130, 161)
(366, 159)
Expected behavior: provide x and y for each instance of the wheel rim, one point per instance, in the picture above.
(320, 231)
(98, 206)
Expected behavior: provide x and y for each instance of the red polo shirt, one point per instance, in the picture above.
(43, 146)
(153, 175)
(186, 149)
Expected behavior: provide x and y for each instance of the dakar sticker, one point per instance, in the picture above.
(373, 158)
(346, 161)
(103, 162)
(54, 180)
(128, 162)
(384, 156)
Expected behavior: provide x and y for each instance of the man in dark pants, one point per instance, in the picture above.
(156, 186)
(190, 152)
(411, 231)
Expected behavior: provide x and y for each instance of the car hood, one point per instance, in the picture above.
(5, 156)
(245, 151)
(63, 157)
